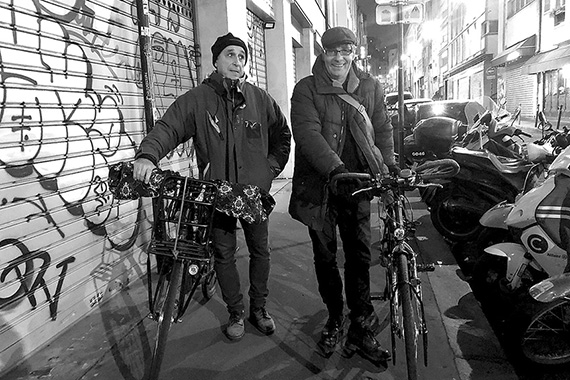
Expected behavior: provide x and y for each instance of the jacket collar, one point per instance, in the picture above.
(227, 88)
(326, 85)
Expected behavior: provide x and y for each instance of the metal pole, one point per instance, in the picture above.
(401, 132)
(146, 62)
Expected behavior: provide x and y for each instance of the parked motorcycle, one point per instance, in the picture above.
(527, 241)
(485, 179)
(449, 124)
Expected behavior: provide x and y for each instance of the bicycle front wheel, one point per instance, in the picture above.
(165, 314)
(545, 338)
(410, 321)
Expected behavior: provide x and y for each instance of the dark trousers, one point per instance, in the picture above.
(225, 245)
(353, 221)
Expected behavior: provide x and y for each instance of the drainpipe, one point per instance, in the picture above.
(539, 36)
(327, 25)
(146, 62)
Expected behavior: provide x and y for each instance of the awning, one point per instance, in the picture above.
(550, 60)
(524, 48)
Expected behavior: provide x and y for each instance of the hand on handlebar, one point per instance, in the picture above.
(347, 187)
(142, 169)
(394, 170)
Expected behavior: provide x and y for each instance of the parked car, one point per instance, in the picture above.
(454, 109)
(391, 99)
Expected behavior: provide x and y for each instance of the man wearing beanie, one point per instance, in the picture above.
(333, 135)
(241, 136)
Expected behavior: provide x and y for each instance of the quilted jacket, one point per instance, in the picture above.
(318, 119)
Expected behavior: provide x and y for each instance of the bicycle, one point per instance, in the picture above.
(403, 286)
(183, 210)
(183, 213)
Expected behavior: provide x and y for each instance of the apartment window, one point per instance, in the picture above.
(514, 6)
(559, 12)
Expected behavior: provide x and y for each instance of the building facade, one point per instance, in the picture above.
(72, 104)
(515, 51)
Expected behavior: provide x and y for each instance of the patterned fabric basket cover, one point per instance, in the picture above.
(247, 202)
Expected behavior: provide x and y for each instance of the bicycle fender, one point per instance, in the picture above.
(551, 289)
(514, 253)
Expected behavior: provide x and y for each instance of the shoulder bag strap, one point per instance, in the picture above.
(360, 136)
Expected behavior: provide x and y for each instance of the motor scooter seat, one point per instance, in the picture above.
(509, 165)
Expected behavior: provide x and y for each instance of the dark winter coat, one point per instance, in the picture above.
(319, 119)
(239, 131)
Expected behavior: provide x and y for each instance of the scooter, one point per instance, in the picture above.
(484, 180)
(526, 240)
(434, 137)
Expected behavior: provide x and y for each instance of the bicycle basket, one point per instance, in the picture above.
(183, 214)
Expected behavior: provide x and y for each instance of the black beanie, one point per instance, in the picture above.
(224, 41)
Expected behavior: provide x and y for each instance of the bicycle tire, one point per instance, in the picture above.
(409, 319)
(544, 333)
(165, 318)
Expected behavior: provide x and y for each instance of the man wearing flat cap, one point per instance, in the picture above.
(340, 124)
(242, 137)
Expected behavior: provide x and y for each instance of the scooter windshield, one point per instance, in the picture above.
(562, 162)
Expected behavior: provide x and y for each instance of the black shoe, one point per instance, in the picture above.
(331, 335)
(361, 339)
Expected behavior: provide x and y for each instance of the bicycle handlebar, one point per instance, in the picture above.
(408, 178)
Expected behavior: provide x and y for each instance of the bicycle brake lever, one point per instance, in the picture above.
(430, 185)
(361, 191)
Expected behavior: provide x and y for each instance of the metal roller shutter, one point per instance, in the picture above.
(520, 90)
(256, 45)
(71, 105)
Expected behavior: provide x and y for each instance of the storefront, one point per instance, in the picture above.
(551, 70)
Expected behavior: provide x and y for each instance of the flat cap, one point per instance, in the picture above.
(337, 36)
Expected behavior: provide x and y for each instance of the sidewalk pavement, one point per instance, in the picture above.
(115, 342)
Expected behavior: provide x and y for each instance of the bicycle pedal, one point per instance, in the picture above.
(425, 267)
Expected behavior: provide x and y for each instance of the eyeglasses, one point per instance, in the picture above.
(333, 52)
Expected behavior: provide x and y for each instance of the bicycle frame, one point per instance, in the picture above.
(399, 254)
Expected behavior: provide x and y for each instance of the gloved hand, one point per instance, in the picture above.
(338, 170)
(345, 187)
(394, 170)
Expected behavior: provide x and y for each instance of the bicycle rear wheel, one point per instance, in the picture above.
(165, 314)
(410, 321)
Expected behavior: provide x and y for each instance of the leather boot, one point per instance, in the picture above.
(331, 335)
(372, 323)
(361, 339)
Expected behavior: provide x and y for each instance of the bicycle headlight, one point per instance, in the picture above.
(399, 233)
(193, 269)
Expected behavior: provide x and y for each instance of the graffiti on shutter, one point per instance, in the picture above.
(71, 105)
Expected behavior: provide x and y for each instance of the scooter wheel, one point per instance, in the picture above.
(453, 223)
